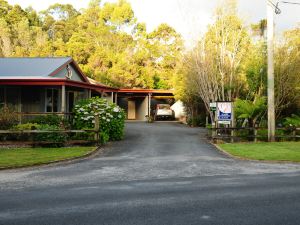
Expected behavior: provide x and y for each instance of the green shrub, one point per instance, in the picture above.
(87, 136)
(26, 126)
(111, 117)
(197, 121)
(104, 137)
(293, 121)
(8, 118)
(55, 139)
(52, 120)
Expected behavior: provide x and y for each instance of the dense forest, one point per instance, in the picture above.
(106, 40)
(227, 64)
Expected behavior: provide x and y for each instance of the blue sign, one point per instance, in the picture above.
(224, 111)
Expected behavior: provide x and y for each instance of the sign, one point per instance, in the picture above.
(224, 111)
(224, 122)
(213, 106)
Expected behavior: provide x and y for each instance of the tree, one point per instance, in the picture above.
(255, 68)
(228, 41)
(5, 39)
(105, 39)
(250, 110)
(216, 63)
(287, 71)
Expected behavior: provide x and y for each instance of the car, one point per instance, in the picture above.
(164, 111)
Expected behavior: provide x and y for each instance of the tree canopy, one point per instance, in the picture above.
(106, 39)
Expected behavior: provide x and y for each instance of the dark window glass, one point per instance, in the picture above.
(1, 97)
(12, 97)
(52, 100)
(55, 100)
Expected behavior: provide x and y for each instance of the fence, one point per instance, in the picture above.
(26, 137)
(252, 134)
(24, 117)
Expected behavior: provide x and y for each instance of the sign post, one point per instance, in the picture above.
(213, 109)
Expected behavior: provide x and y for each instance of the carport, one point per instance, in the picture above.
(140, 103)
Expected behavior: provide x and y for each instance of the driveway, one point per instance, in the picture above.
(161, 173)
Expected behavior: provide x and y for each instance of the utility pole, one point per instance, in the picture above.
(271, 98)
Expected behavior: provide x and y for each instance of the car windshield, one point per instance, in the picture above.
(163, 106)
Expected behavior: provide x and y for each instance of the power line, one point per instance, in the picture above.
(277, 10)
(293, 3)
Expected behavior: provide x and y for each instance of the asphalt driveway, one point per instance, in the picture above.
(161, 173)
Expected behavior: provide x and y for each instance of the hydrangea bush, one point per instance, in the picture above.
(111, 117)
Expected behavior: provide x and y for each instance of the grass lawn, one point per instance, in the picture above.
(18, 157)
(281, 151)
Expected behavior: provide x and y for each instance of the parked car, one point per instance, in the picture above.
(164, 111)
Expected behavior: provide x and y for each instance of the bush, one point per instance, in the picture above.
(26, 126)
(197, 121)
(87, 136)
(55, 139)
(293, 121)
(8, 118)
(52, 120)
(111, 118)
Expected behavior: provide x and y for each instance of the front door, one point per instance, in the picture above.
(131, 110)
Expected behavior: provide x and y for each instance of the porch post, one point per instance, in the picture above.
(89, 93)
(63, 98)
(149, 104)
(112, 97)
(20, 105)
(116, 98)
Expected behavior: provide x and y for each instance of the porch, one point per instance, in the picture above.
(31, 101)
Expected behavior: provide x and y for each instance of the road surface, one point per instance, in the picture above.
(161, 173)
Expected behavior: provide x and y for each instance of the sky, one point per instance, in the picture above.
(188, 17)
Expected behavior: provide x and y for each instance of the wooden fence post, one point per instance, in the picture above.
(294, 133)
(255, 134)
(97, 128)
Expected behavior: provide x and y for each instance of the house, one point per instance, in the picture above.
(41, 86)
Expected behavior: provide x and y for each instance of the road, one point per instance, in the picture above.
(161, 173)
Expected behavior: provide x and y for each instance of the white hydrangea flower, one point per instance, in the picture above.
(116, 109)
(107, 120)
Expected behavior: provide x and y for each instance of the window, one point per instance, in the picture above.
(51, 100)
(2, 97)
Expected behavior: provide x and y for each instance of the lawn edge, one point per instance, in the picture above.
(76, 159)
(252, 160)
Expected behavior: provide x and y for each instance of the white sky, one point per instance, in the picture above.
(189, 17)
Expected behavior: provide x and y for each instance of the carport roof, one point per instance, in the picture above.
(146, 91)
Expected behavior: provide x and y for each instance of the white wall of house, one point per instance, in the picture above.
(142, 108)
(179, 109)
